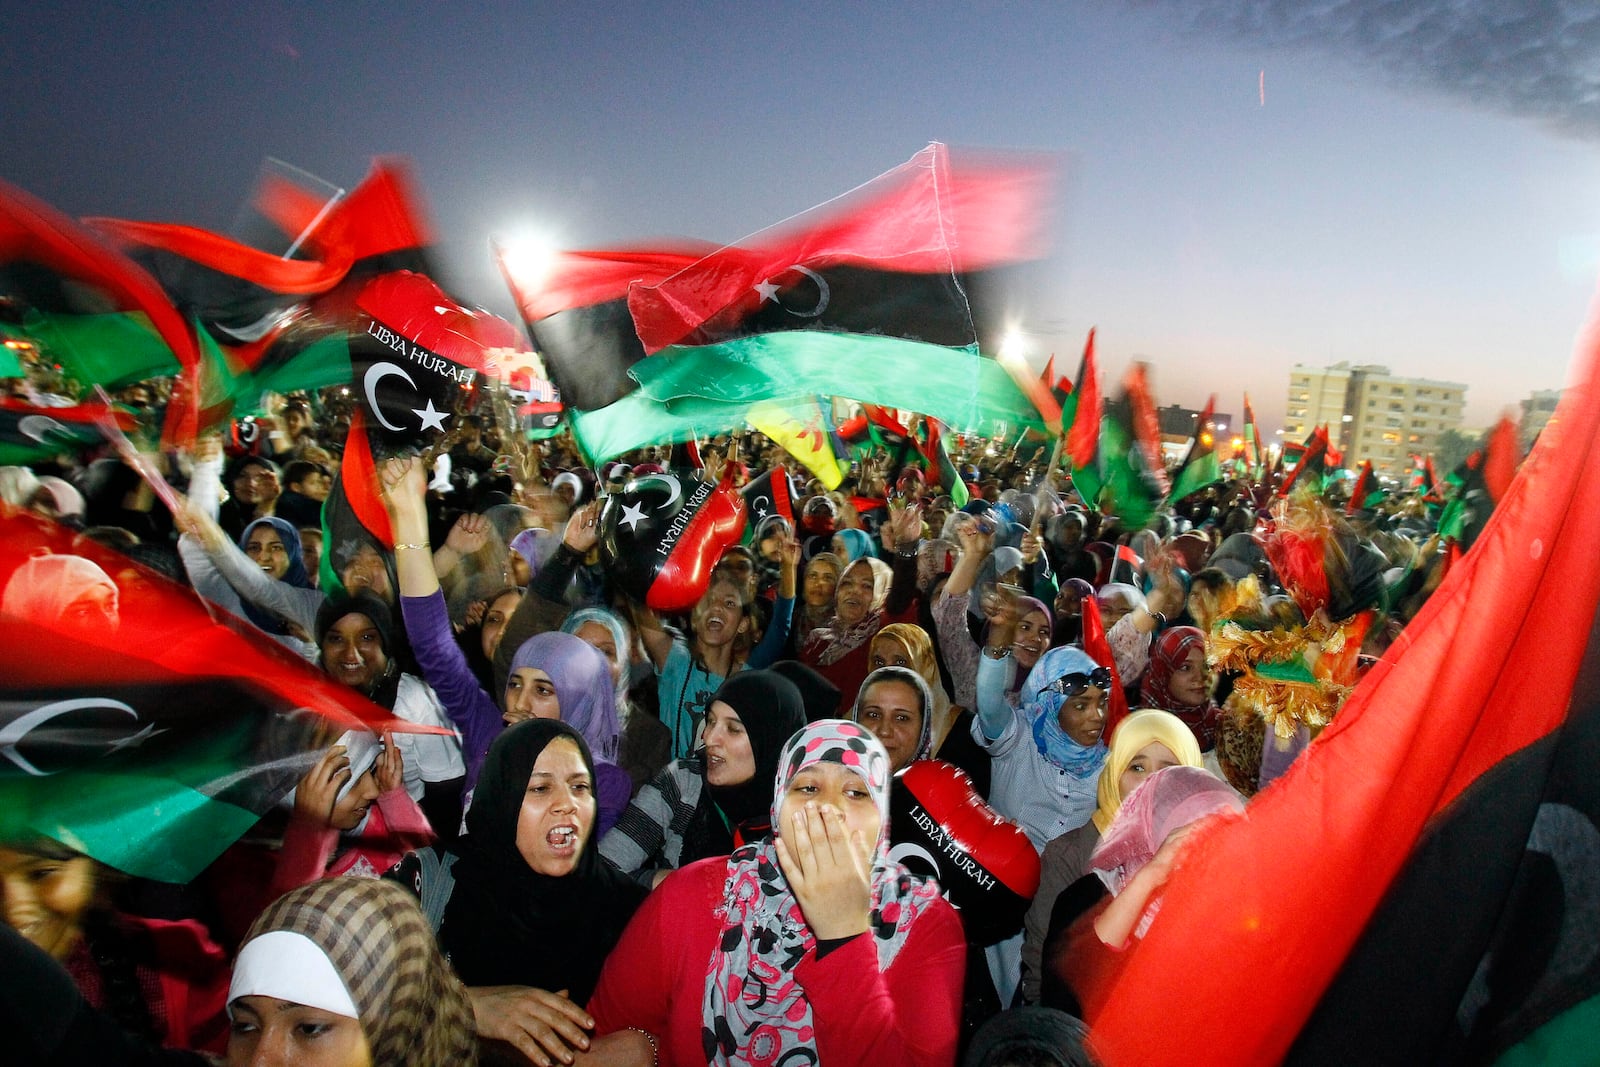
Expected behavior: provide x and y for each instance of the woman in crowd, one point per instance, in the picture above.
(1083, 950)
(1143, 743)
(1031, 629)
(722, 640)
(525, 909)
(709, 803)
(645, 745)
(356, 638)
(896, 707)
(550, 675)
(858, 961)
(351, 815)
(263, 577)
(904, 644)
(1179, 681)
(816, 606)
(345, 973)
(63, 593)
(869, 595)
(162, 982)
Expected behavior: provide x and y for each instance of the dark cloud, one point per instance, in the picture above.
(1534, 58)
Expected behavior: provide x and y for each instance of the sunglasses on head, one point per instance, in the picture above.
(1074, 681)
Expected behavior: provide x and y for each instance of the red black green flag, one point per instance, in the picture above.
(1132, 476)
(1199, 467)
(876, 296)
(1420, 886)
(52, 265)
(1315, 462)
(32, 434)
(1366, 494)
(152, 737)
(1479, 483)
(1080, 422)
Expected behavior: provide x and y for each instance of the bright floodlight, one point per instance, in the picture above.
(528, 260)
(1011, 345)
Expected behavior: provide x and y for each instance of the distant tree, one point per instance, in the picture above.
(1450, 448)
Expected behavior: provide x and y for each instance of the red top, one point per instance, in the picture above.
(655, 980)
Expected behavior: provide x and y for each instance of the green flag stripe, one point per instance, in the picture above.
(954, 385)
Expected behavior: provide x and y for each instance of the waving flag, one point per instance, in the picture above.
(32, 434)
(153, 737)
(802, 430)
(1080, 422)
(1133, 480)
(1443, 911)
(1199, 467)
(870, 297)
(575, 307)
(44, 256)
(1254, 455)
(1366, 494)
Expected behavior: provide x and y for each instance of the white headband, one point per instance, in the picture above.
(292, 967)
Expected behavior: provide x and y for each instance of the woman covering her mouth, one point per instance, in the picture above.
(822, 949)
(524, 907)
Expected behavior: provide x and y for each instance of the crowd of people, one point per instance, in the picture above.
(633, 839)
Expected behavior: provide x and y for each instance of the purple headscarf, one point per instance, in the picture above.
(582, 679)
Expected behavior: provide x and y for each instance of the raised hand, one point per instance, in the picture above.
(470, 533)
(583, 528)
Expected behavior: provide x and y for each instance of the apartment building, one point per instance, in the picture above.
(1372, 414)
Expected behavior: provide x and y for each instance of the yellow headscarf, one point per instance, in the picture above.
(1131, 735)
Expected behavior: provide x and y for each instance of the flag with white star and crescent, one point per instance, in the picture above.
(152, 736)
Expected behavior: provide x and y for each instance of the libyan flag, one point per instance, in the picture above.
(51, 264)
(30, 434)
(870, 297)
(154, 746)
(1423, 885)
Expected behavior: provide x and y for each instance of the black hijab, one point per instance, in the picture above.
(386, 689)
(771, 708)
(506, 924)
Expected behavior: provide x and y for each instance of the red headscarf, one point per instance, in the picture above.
(1166, 656)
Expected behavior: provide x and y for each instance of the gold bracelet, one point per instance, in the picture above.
(655, 1050)
(420, 546)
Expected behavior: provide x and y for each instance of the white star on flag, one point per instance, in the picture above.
(633, 515)
(768, 290)
(432, 418)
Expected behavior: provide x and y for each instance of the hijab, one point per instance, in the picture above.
(919, 685)
(366, 939)
(620, 640)
(296, 574)
(857, 543)
(841, 641)
(1001, 561)
(1167, 654)
(583, 684)
(387, 688)
(1131, 735)
(753, 998)
(1168, 800)
(1043, 708)
(506, 924)
(42, 589)
(771, 709)
(924, 660)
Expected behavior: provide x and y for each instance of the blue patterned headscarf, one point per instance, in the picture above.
(1043, 706)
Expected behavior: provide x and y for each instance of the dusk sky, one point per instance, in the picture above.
(1420, 187)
